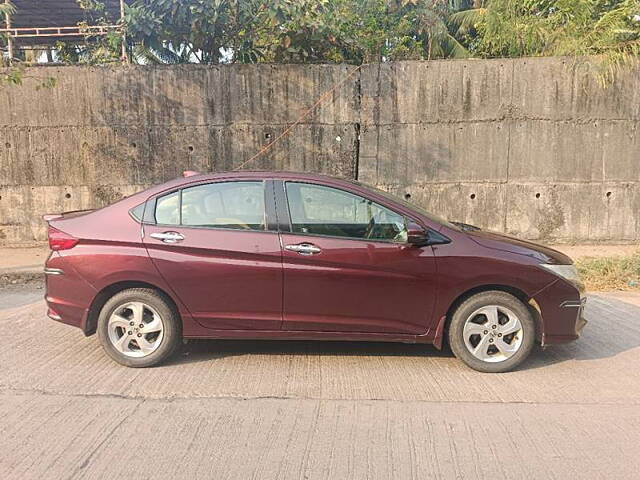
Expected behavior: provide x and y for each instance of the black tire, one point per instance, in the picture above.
(171, 333)
(485, 299)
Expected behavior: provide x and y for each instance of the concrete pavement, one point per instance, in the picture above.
(307, 410)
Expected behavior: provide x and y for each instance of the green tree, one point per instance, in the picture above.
(96, 49)
(359, 31)
(197, 31)
(205, 31)
(5, 9)
(606, 29)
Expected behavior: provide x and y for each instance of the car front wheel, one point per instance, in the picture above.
(492, 332)
(139, 328)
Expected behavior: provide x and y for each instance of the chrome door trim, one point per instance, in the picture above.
(53, 271)
(303, 248)
(168, 237)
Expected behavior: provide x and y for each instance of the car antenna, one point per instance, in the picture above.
(320, 99)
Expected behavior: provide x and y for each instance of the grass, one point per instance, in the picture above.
(610, 273)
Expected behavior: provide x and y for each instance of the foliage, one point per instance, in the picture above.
(356, 31)
(196, 31)
(608, 29)
(12, 76)
(359, 31)
(5, 9)
(97, 50)
(249, 31)
(16, 75)
(610, 273)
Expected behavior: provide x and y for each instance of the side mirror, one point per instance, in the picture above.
(416, 235)
(419, 237)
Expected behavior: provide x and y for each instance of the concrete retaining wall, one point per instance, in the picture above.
(533, 147)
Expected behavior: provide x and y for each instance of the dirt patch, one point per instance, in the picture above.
(14, 257)
(19, 278)
(579, 251)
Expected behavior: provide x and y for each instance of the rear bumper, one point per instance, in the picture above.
(67, 294)
(64, 312)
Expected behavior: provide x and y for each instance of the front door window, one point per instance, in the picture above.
(327, 211)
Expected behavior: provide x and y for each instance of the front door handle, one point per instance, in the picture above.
(303, 248)
(168, 237)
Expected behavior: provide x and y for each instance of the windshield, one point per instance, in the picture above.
(412, 206)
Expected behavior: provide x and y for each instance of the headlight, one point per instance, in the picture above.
(567, 272)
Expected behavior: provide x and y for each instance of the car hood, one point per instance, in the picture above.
(498, 241)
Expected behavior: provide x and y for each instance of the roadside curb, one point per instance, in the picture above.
(21, 275)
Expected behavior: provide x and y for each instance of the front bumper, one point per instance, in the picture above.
(578, 307)
(562, 308)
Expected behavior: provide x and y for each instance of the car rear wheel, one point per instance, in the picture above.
(492, 332)
(139, 328)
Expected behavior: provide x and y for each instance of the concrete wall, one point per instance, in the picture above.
(532, 147)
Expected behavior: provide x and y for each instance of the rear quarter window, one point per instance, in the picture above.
(137, 212)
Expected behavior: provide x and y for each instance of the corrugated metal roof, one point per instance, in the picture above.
(56, 13)
(36, 22)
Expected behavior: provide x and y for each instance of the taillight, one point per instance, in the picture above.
(59, 240)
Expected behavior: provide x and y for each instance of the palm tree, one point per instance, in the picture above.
(606, 31)
(7, 8)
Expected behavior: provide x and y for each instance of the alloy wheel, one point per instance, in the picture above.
(493, 333)
(135, 329)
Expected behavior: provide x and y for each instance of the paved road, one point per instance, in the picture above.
(305, 410)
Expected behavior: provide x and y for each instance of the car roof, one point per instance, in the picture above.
(262, 174)
(194, 178)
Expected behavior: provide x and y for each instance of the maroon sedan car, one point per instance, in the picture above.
(276, 255)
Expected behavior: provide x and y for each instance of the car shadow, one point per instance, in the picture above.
(613, 328)
(206, 350)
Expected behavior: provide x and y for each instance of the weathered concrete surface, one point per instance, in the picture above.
(103, 133)
(318, 410)
(532, 147)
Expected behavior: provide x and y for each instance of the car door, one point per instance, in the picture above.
(347, 266)
(213, 245)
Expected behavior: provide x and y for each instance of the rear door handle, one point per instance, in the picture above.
(168, 237)
(303, 248)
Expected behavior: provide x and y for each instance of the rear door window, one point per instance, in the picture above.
(236, 205)
(168, 209)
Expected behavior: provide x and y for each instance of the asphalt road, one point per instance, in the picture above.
(312, 410)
